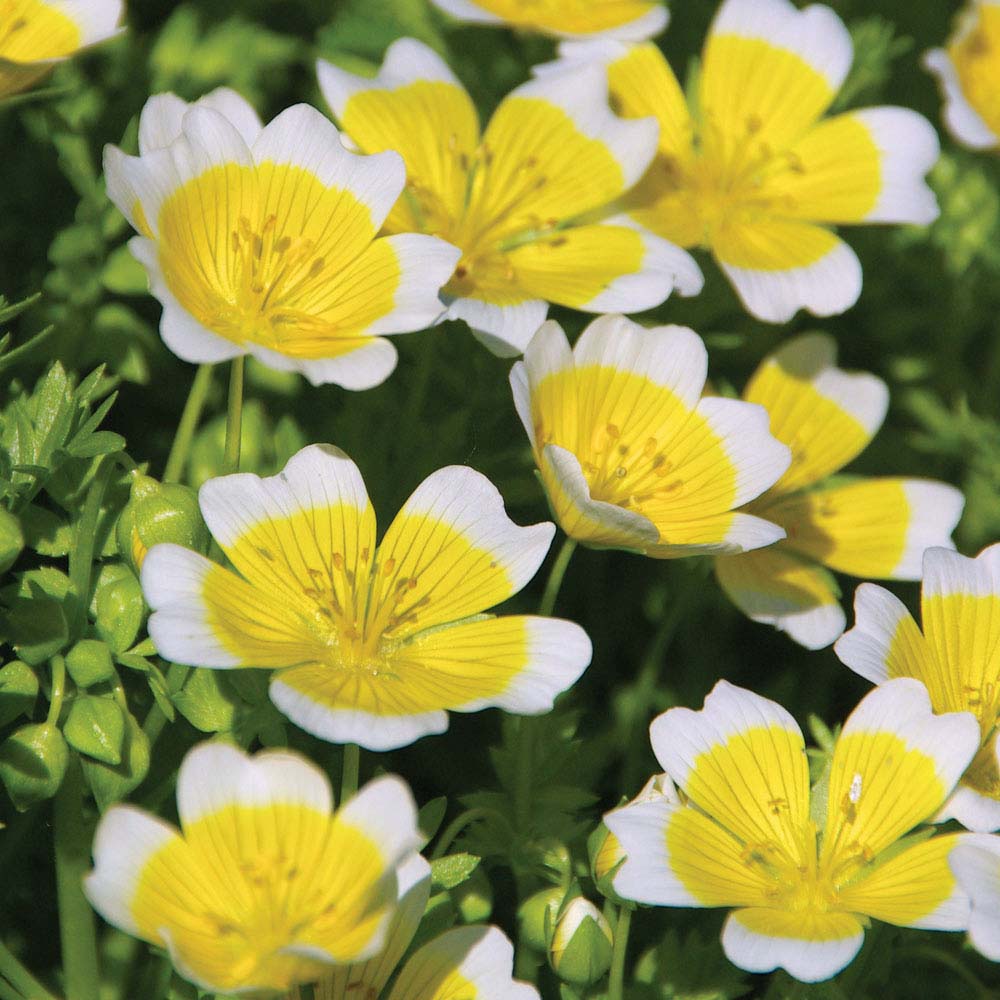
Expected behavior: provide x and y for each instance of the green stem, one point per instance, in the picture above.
(349, 773)
(456, 826)
(616, 975)
(81, 556)
(21, 982)
(234, 417)
(76, 919)
(188, 424)
(526, 729)
(556, 574)
(58, 665)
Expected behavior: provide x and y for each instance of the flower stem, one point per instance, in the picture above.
(17, 980)
(526, 728)
(616, 976)
(234, 417)
(188, 424)
(76, 919)
(349, 772)
(58, 665)
(456, 826)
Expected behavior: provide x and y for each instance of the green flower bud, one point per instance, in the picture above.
(119, 611)
(89, 662)
(18, 691)
(474, 898)
(96, 727)
(580, 952)
(110, 783)
(11, 540)
(537, 917)
(33, 761)
(159, 512)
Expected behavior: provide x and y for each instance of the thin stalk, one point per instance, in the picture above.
(58, 665)
(234, 417)
(526, 727)
(76, 919)
(349, 772)
(616, 975)
(20, 980)
(457, 825)
(188, 424)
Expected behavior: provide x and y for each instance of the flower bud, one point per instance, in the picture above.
(18, 690)
(474, 898)
(119, 609)
(89, 662)
(606, 854)
(11, 540)
(159, 512)
(580, 952)
(33, 760)
(537, 917)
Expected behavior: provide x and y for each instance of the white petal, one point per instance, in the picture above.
(908, 147)
(976, 812)
(125, 840)
(935, 509)
(807, 961)
(504, 330)
(976, 864)
(172, 582)
(816, 35)
(828, 287)
(582, 93)
(385, 812)
(216, 775)
(946, 573)
(866, 647)
(304, 137)
(963, 121)
(366, 366)
(96, 19)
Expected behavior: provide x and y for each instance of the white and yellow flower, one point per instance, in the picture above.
(626, 20)
(264, 240)
(968, 73)
(976, 864)
(36, 35)
(630, 453)
(370, 644)
(754, 173)
(955, 656)
(872, 527)
(264, 886)
(474, 963)
(528, 200)
(743, 836)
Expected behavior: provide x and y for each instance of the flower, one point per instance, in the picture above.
(262, 240)
(371, 645)
(744, 836)
(629, 453)
(581, 945)
(976, 864)
(968, 73)
(263, 886)
(955, 657)
(753, 174)
(528, 200)
(36, 35)
(627, 20)
(877, 527)
(474, 962)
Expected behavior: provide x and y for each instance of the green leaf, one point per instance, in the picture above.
(96, 727)
(453, 870)
(430, 817)
(46, 532)
(18, 691)
(37, 627)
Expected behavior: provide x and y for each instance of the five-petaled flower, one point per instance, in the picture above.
(876, 527)
(968, 73)
(264, 886)
(753, 174)
(529, 201)
(263, 240)
(955, 656)
(630, 453)
(626, 20)
(743, 835)
(370, 644)
(36, 35)
(471, 963)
